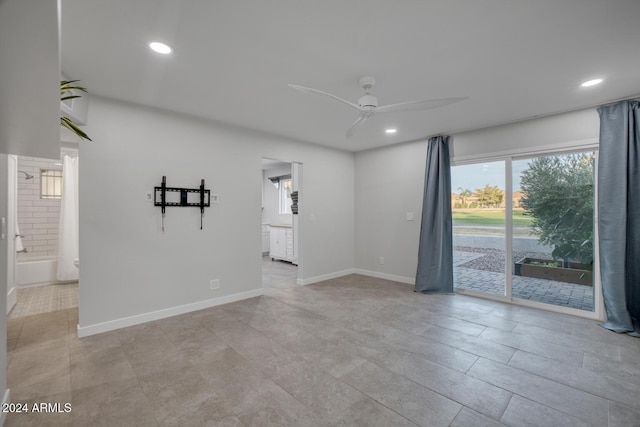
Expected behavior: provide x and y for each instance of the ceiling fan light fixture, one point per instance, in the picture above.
(161, 48)
(592, 82)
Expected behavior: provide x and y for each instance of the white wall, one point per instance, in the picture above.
(271, 197)
(559, 130)
(128, 267)
(389, 183)
(4, 185)
(29, 107)
(30, 70)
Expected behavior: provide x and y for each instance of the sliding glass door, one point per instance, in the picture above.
(552, 244)
(478, 210)
(523, 228)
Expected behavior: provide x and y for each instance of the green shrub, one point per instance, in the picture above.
(558, 194)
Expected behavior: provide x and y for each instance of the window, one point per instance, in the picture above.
(284, 190)
(50, 184)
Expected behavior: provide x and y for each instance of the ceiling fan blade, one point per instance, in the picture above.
(324, 95)
(352, 130)
(425, 104)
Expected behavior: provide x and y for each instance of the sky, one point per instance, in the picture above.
(478, 175)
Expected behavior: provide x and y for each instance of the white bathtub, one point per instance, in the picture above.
(36, 271)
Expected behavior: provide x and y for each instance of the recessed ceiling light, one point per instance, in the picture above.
(591, 82)
(391, 130)
(159, 47)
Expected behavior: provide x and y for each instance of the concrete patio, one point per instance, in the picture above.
(541, 290)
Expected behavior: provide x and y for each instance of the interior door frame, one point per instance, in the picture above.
(297, 185)
(12, 202)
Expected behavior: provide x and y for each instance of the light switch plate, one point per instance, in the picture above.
(410, 216)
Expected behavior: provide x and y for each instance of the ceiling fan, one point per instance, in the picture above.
(367, 105)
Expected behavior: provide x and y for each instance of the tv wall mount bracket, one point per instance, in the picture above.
(161, 193)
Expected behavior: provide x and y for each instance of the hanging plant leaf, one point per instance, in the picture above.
(66, 85)
(67, 123)
(66, 88)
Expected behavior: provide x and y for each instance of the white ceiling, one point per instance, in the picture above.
(233, 59)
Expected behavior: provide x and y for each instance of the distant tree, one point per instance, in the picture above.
(489, 196)
(558, 194)
(497, 196)
(464, 193)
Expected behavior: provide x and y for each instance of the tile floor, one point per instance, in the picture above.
(353, 351)
(45, 299)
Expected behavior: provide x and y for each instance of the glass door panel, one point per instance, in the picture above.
(478, 211)
(552, 243)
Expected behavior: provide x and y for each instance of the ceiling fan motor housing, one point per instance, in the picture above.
(368, 101)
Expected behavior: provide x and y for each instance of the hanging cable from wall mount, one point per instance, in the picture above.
(163, 199)
(201, 202)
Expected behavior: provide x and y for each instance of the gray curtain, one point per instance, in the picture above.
(435, 253)
(619, 215)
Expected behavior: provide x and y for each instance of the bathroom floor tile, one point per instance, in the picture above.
(44, 299)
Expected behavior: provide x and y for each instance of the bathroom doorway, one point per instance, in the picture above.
(45, 237)
(281, 229)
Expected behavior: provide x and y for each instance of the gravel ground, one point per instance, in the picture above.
(493, 259)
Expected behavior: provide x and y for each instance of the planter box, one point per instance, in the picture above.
(553, 270)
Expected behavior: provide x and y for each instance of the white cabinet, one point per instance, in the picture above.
(281, 242)
(266, 236)
(296, 237)
(277, 250)
(289, 244)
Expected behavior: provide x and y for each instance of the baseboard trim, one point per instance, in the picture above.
(323, 277)
(392, 277)
(98, 328)
(370, 273)
(5, 401)
(37, 285)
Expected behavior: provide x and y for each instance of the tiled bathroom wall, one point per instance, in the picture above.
(38, 219)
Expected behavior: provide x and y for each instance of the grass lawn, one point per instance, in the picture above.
(488, 217)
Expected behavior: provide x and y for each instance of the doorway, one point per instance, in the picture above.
(523, 230)
(281, 186)
(39, 283)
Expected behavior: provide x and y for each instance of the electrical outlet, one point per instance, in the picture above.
(381, 260)
(214, 284)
